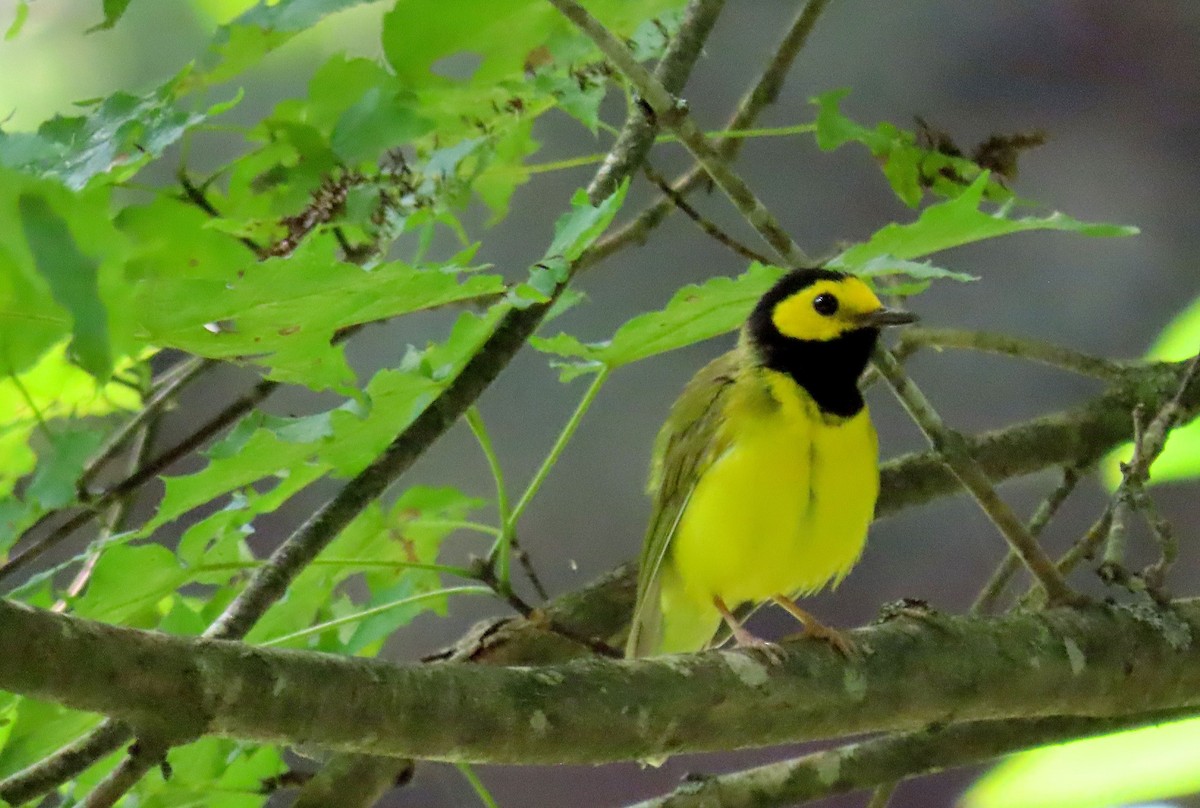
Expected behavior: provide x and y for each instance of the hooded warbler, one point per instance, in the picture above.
(765, 474)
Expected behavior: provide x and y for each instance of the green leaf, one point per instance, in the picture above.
(120, 135)
(417, 34)
(342, 441)
(242, 43)
(907, 167)
(1180, 458)
(113, 11)
(41, 728)
(578, 229)
(128, 583)
(54, 388)
(53, 484)
(1124, 768)
(409, 532)
(886, 266)
(961, 221)
(20, 15)
(377, 122)
(203, 292)
(72, 277)
(694, 314)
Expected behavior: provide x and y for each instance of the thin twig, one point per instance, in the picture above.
(1131, 496)
(164, 392)
(193, 441)
(953, 449)
(114, 520)
(143, 756)
(887, 759)
(706, 225)
(637, 135)
(763, 93)
(988, 597)
(672, 113)
(1006, 345)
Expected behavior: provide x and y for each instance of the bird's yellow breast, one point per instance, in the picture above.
(785, 508)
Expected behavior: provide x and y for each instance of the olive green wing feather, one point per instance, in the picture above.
(687, 444)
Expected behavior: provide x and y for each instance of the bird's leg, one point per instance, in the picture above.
(815, 628)
(742, 636)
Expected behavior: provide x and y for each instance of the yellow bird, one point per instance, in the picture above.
(765, 474)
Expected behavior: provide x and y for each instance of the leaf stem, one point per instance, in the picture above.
(481, 790)
(475, 420)
(383, 607)
(501, 553)
(347, 563)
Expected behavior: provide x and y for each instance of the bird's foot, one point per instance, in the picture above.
(817, 630)
(745, 639)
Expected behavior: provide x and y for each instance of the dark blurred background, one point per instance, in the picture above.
(1116, 86)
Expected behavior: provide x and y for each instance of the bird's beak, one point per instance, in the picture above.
(883, 317)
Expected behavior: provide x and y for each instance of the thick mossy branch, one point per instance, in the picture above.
(1085, 661)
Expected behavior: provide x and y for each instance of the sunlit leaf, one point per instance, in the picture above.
(127, 584)
(118, 136)
(20, 15)
(1119, 769)
(242, 43)
(40, 729)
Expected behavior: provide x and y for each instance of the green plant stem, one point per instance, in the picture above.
(346, 563)
(502, 552)
(475, 420)
(381, 608)
(477, 785)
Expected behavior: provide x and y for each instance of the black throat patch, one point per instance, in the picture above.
(828, 370)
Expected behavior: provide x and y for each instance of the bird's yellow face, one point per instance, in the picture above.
(826, 309)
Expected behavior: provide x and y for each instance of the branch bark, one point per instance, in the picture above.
(882, 761)
(1093, 661)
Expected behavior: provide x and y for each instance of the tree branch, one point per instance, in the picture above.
(1006, 345)
(1094, 660)
(953, 448)
(763, 93)
(884, 760)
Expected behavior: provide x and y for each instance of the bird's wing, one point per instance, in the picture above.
(688, 443)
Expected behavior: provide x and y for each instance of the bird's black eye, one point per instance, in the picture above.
(825, 304)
